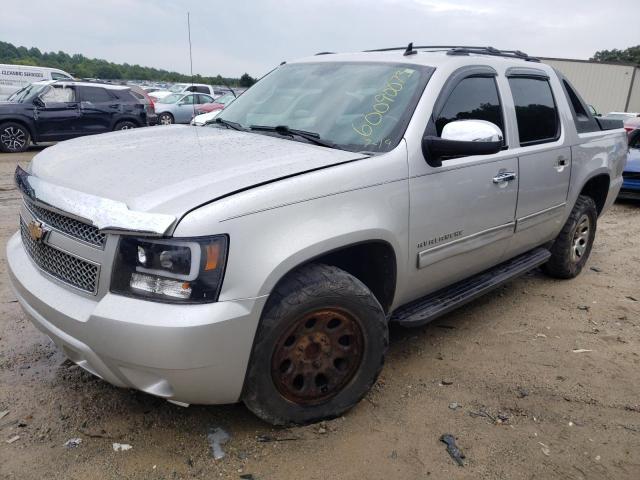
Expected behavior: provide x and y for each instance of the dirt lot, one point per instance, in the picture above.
(549, 411)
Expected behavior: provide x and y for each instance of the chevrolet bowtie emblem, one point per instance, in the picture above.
(36, 230)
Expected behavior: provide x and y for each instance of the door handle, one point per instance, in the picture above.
(504, 177)
(561, 162)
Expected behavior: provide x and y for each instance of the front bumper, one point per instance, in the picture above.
(185, 353)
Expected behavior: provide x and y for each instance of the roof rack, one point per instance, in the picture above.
(463, 50)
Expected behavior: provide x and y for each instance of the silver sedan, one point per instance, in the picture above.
(180, 107)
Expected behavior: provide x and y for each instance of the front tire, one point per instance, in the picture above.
(14, 138)
(319, 347)
(165, 119)
(571, 249)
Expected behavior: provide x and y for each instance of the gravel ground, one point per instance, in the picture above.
(500, 374)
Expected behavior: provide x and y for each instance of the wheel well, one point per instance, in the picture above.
(126, 119)
(597, 188)
(373, 263)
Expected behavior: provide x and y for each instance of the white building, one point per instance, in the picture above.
(609, 87)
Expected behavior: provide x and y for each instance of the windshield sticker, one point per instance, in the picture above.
(369, 122)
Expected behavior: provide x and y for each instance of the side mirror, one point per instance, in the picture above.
(38, 102)
(463, 138)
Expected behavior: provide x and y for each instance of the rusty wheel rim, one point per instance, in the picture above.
(317, 356)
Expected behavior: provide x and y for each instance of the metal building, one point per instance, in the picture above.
(609, 87)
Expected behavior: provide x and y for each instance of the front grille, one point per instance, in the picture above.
(68, 269)
(70, 226)
(631, 175)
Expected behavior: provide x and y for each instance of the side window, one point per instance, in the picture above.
(536, 111)
(187, 100)
(583, 118)
(59, 76)
(95, 95)
(190, 89)
(205, 99)
(201, 89)
(59, 94)
(474, 98)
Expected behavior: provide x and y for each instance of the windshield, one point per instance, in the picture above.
(173, 98)
(355, 106)
(177, 88)
(26, 93)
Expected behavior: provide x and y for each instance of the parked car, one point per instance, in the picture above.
(263, 258)
(142, 95)
(631, 124)
(218, 104)
(631, 173)
(15, 77)
(185, 87)
(205, 118)
(59, 110)
(207, 113)
(180, 107)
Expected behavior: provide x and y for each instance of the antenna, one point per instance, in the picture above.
(193, 105)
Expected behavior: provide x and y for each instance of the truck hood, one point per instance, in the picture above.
(174, 169)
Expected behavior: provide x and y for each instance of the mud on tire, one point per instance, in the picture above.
(319, 347)
(572, 246)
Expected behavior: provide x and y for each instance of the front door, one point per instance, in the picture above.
(545, 163)
(59, 118)
(462, 214)
(185, 108)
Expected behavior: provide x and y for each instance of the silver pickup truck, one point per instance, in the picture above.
(261, 258)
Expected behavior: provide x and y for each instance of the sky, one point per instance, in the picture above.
(233, 37)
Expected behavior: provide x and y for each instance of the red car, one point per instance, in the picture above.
(632, 124)
(219, 104)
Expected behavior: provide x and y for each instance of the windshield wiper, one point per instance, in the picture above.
(312, 137)
(228, 124)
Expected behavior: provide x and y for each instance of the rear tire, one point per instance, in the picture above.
(571, 249)
(14, 137)
(165, 119)
(124, 125)
(319, 347)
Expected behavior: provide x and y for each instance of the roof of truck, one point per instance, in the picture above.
(433, 56)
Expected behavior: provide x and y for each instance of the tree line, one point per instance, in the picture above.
(628, 55)
(83, 67)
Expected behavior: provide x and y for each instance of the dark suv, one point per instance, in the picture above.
(53, 111)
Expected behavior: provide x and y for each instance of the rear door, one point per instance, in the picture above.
(544, 160)
(59, 118)
(462, 215)
(98, 108)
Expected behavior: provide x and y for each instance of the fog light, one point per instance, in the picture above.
(161, 286)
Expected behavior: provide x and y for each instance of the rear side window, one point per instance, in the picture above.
(583, 118)
(205, 99)
(536, 111)
(474, 98)
(95, 95)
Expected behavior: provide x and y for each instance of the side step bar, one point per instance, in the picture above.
(430, 307)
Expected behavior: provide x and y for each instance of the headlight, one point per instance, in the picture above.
(185, 270)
